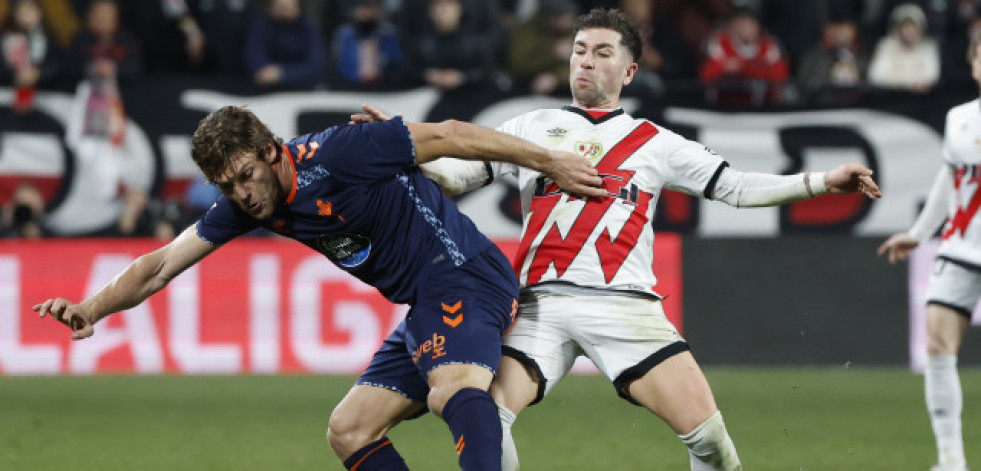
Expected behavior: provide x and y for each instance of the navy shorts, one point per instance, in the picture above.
(459, 317)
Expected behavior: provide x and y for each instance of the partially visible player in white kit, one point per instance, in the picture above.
(585, 265)
(955, 284)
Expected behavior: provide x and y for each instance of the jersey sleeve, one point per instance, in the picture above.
(362, 153)
(224, 222)
(692, 168)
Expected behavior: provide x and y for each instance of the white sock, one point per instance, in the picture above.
(710, 446)
(944, 401)
(509, 452)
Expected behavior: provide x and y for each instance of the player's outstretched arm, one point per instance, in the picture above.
(471, 142)
(146, 275)
(753, 189)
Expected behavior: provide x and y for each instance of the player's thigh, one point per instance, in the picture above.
(945, 329)
(516, 385)
(539, 348)
(677, 391)
(952, 295)
(629, 338)
(365, 415)
(454, 329)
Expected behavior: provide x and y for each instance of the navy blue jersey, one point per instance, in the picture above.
(359, 199)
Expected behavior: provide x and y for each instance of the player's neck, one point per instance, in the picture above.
(607, 106)
(285, 175)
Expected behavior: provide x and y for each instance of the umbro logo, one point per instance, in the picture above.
(556, 132)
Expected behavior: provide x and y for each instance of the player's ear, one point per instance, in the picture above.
(272, 153)
(631, 72)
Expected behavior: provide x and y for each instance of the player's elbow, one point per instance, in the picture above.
(435, 140)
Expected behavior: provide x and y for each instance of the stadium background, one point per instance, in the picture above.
(807, 337)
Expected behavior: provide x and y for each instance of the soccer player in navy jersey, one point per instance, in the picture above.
(355, 194)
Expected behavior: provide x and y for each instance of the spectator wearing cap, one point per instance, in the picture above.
(540, 47)
(906, 59)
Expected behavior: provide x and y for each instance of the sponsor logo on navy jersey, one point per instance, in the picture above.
(346, 250)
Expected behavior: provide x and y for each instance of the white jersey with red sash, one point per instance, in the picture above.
(962, 153)
(602, 242)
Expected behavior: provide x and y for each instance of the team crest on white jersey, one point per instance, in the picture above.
(589, 150)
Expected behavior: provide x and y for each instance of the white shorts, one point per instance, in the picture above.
(624, 334)
(954, 286)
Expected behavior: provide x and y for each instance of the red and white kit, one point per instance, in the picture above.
(586, 265)
(956, 280)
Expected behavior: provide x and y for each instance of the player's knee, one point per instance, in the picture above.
(940, 344)
(710, 443)
(448, 380)
(346, 434)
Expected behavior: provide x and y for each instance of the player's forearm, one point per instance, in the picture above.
(750, 189)
(934, 212)
(471, 142)
(129, 288)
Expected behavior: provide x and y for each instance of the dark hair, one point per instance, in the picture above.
(226, 132)
(612, 19)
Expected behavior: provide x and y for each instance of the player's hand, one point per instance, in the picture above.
(67, 313)
(574, 174)
(898, 247)
(851, 178)
(370, 115)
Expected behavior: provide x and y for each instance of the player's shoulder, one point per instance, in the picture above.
(309, 147)
(965, 110)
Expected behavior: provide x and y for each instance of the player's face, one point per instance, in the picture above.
(252, 184)
(599, 68)
(976, 64)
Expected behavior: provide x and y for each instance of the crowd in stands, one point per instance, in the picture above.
(739, 52)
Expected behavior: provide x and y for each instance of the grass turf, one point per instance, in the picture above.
(781, 420)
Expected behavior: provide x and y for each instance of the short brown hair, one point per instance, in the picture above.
(612, 19)
(226, 132)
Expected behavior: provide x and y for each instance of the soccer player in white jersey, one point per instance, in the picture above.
(955, 284)
(585, 265)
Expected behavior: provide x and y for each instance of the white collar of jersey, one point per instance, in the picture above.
(609, 114)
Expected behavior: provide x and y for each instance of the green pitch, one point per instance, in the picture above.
(781, 420)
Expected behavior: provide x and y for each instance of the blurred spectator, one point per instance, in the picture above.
(224, 23)
(169, 34)
(105, 49)
(452, 43)
(540, 48)
(796, 24)
(106, 54)
(744, 65)
(965, 23)
(835, 70)
(366, 49)
(30, 58)
(647, 80)
(60, 19)
(23, 215)
(693, 21)
(284, 48)
(906, 58)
